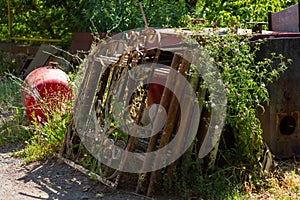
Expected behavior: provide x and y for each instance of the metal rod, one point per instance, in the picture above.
(144, 16)
(165, 100)
(85, 171)
(169, 127)
(9, 19)
(37, 39)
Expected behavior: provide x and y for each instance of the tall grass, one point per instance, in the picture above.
(13, 123)
(46, 135)
(46, 138)
(10, 94)
(41, 140)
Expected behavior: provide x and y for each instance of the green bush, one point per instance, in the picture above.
(238, 11)
(46, 138)
(60, 18)
(246, 80)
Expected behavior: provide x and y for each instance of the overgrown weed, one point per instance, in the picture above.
(42, 140)
(13, 123)
(46, 138)
(238, 164)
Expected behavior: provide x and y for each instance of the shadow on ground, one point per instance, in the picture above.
(51, 179)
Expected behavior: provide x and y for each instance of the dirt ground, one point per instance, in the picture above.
(51, 179)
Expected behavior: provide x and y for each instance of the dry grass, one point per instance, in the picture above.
(282, 183)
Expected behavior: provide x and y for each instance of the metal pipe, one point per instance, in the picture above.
(36, 39)
(9, 19)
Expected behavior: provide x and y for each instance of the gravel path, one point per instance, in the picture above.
(49, 180)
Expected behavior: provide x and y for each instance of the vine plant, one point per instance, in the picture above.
(246, 80)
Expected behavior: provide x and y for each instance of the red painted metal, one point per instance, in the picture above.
(45, 90)
(275, 34)
(155, 92)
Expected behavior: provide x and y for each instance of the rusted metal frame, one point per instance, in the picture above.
(188, 119)
(165, 99)
(144, 16)
(174, 107)
(195, 82)
(117, 173)
(83, 170)
(186, 122)
(109, 74)
(102, 84)
(212, 155)
(204, 114)
(138, 119)
(270, 21)
(202, 131)
(112, 75)
(153, 140)
(203, 128)
(109, 60)
(133, 140)
(105, 76)
(129, 84)
(86, 80)
(170, 125)
(115, 77)
(65, 143)
(90, 84)
(116, 70)
(79, 167)
(102, 87)
(109, 86)
(165, 103)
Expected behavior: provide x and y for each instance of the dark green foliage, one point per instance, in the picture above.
(239, 11)
(59, 18)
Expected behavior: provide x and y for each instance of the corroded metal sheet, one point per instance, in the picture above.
(286, 20)
(280, 121)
